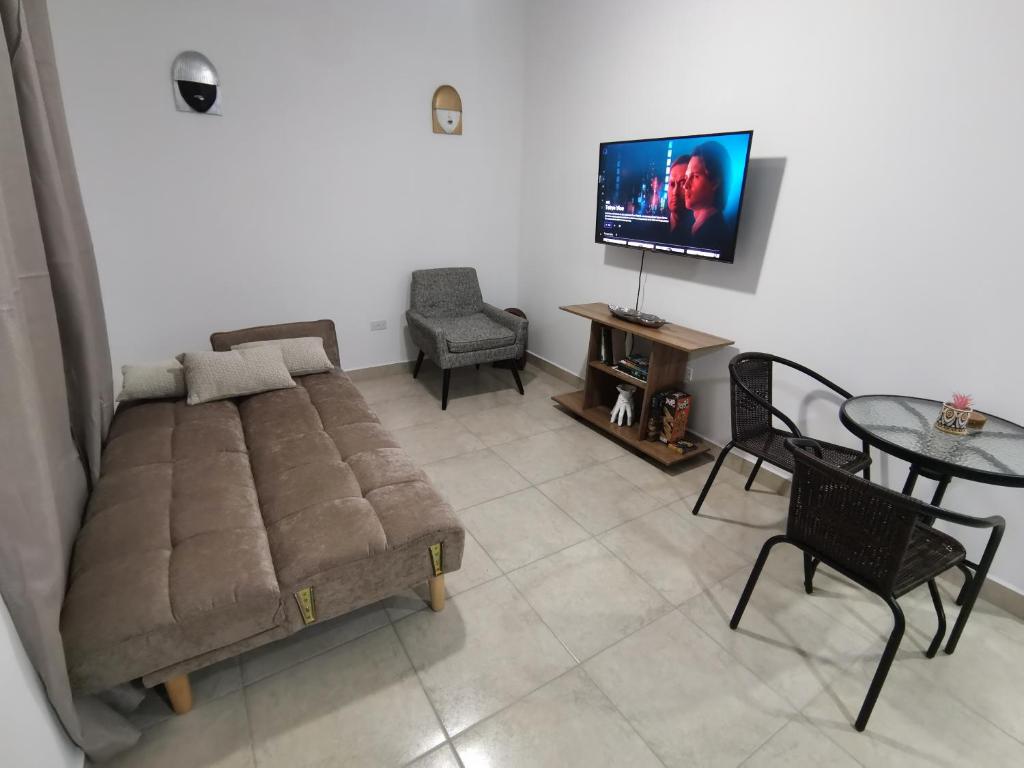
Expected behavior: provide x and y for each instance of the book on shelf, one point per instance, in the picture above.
(634, 365)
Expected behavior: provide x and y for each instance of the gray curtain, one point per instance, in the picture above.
(66, 239)
(53, 346)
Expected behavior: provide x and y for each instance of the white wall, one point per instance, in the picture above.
(886, 141)
(30, 733)
(320, 189)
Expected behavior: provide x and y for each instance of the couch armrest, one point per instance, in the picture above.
(517, 325)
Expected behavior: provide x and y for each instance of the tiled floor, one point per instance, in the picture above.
(588, 627)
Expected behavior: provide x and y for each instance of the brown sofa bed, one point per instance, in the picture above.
(217, 528)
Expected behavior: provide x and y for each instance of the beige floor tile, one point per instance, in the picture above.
(594, 442)
(546, 456)
(474, 478)
(652, 480)
(598, 498)
(477, 568)
(588, 597)
(916, 722)
(740, 520)
(380, 389)
(214, 735)
(502, 424)
(985, 671)
(358, 704)
(442, 757)
(483, 652)
(437, 440)
(689, 700)
(690, 477)
(207, 685)
(846, 602)
(672, 554)
(548, 413)
(783, 637)
(800, 745)
(408, 411)
(521, 527)
(568, 722)
(309, 642)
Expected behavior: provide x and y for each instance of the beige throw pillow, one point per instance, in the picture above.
(220, 375)
(149, 381)
(303, 355)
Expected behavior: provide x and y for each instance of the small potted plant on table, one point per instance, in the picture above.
(955, 414)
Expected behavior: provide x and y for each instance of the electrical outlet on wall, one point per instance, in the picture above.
(378, 325)
(689, 374)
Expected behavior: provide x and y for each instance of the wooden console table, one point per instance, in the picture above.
(670, 347)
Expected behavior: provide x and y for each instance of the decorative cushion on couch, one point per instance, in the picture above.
(151, 381)
(220, 375)
(302, 356)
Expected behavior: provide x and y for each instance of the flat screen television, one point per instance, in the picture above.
(680, 195)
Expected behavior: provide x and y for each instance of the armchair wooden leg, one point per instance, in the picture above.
(515, 375)
(419, 362)
(179, 691)
(444, 388)
(436, 592)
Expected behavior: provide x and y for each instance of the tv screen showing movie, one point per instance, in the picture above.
(679, 195)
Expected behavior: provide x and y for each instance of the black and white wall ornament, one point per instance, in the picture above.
(196, 84)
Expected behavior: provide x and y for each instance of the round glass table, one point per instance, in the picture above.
(905, 428)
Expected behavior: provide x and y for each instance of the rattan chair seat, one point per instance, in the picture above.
(770, 445)
(929, 553)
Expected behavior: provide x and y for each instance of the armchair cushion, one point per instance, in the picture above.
(473, 333)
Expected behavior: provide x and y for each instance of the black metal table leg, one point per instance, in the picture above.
(908, 487)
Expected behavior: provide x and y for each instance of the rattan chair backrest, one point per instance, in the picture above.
(857, 525)
(750, 418)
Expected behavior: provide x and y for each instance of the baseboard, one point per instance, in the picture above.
(995, 592)
(374, 371)
(553, 369)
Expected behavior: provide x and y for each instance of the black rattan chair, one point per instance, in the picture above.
(878, 538)
(750, 378)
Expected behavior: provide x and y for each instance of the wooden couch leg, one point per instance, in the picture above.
(179, 691)
(436, 592)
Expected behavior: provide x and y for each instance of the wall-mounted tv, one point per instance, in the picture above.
(680, 195)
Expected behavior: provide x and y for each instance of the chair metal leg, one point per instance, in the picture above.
(419, 362)
(515, 375)
(748, 590)
(975, 587)
(967, 580)
(899, 624)
(941, 614)
(444, 388)
(753, 474)
(711, 477)
(810, 566)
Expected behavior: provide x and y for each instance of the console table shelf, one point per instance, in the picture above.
(671, 346)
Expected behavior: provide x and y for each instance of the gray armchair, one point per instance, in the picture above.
(451, 324)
